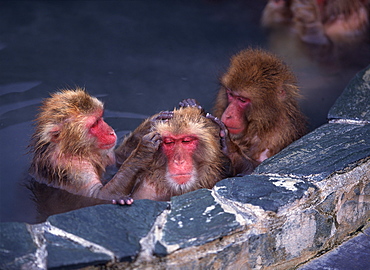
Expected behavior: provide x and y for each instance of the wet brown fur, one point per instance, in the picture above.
(273, 119)
(60, 142)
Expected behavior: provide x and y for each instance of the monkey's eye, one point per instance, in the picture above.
(168, 141)
(243, 100)
(188, 140)
(95, 123)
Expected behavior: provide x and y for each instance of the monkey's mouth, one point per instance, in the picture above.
(107, 146)
(181, 178)
(234, 130)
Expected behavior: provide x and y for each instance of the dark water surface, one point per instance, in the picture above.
(139, 57)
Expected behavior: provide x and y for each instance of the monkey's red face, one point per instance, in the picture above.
(233, 116)
(104, 134)
(179, 150)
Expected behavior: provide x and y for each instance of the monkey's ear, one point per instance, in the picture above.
(54, 133)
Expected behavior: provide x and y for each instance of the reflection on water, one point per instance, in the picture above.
(50, 201)
(139, 57)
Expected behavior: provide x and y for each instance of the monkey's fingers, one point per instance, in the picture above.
(152, 140)
(190, 102)
(164, 115)
(223, 132)
(156, 140)
(125, 200)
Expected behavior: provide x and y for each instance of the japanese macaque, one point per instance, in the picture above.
(187, 154)
(258, 104)
(319, 21)
(73, 145)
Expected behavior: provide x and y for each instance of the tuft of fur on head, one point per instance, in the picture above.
(61, 134)
(207, 158)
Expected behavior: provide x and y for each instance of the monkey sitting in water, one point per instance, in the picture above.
(186, 154)
(73, 145)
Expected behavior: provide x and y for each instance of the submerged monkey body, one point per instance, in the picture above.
(70, 172)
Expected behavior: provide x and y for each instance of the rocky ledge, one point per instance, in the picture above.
(302, 202)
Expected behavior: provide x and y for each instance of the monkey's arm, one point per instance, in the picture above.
(241, 164)
(127, 176)
(96, 189)
(131, 142)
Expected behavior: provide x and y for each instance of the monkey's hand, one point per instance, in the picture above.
(151, 141)
(190, 102)
(125, 200)
(127, 177)
(223, 132)
(164, 115)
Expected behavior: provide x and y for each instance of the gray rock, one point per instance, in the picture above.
(17, 248)
(354, 103)
(195, 219)
(268, 192)
(66, 253)
(353, 254)
(116, 228)
(328, 149)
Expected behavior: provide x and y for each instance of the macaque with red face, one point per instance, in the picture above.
(187, 156)
(258, 104)
(73, 145)
(319, 21)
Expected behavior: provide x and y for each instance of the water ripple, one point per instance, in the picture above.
(17, 87)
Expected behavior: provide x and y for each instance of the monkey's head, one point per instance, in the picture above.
(255, 90)
(191, 147)
(71, 121)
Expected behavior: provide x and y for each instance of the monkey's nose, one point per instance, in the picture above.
(179, 161)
